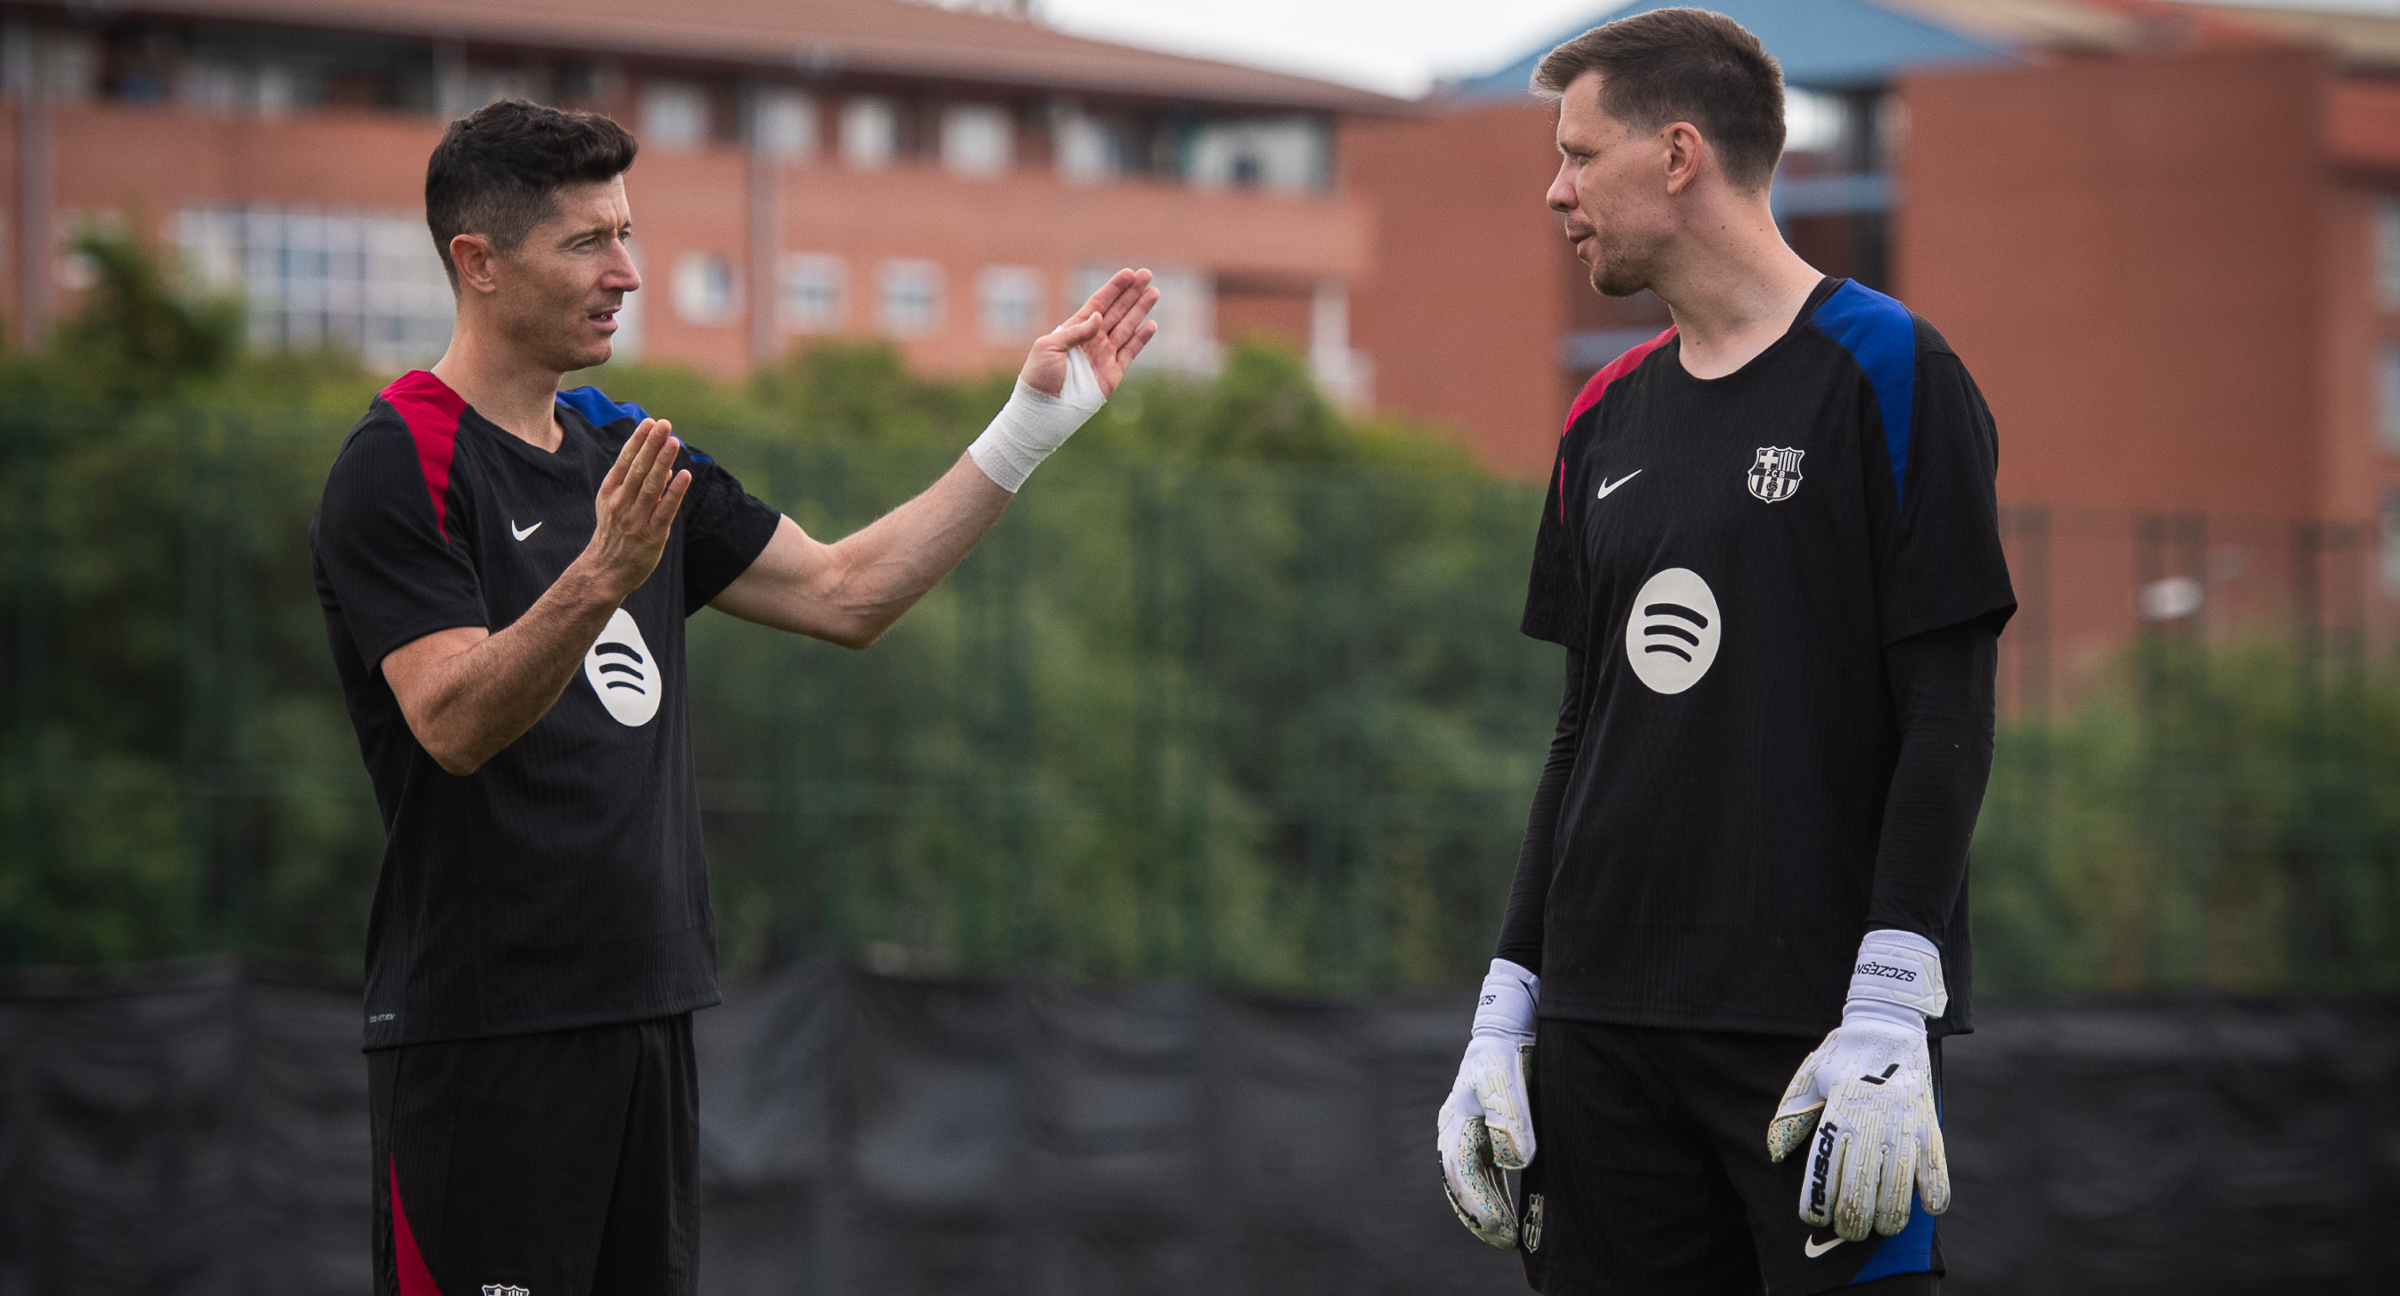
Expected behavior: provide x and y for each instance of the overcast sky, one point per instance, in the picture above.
(1395, 46)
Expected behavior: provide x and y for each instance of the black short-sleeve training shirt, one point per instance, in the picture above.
(563, 883)
(1731, 556)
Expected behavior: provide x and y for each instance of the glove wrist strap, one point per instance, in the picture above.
(1505, 1008)
(1897, 980)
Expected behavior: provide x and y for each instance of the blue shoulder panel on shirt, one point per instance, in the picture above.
(1880, 335)
(597, 409)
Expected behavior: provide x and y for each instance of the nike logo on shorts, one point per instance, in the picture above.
(512, 529)
(1812, 1248)
(1608, 487)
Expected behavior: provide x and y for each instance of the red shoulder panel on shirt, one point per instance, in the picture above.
(431, 411)
(1615, 369)
(1592, 391)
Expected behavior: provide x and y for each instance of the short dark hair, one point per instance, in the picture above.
(1671, 65)
(498, 170)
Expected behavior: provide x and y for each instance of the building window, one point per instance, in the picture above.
(911, 297)
(706, 289)
(870, 132)
(70, 64)
(814, 292)
(2387, 251)
(234, 89)
(787, 125)
(1010, 298)
(1095, 148)
(459, 89)
(1813, 122)
(2387, 392)
(1285, 154)
(368, 282)
(976, 139)
(674, 116)
(2387, 544)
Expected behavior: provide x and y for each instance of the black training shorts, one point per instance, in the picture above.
(1651, 1175)
(560, 1162)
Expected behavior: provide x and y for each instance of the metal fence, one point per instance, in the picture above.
(1270, 725)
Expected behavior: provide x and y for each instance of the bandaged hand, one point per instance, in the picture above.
(1862, 1104)
(1486, 1126)
(1033, 424)
(1069, 374)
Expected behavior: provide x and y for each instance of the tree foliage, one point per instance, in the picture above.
(1233, 690)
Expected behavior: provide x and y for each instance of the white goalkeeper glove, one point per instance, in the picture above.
(1867, 1091)
(1487, 1124)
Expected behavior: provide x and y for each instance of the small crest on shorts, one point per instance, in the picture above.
(1532, 1232)
(503, 1289)
(1776, 476)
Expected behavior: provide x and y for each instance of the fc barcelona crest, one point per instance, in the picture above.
(1776, 476)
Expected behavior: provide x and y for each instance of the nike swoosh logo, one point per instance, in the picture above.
(512, 529)
(1607, 486)
(1814, 1250)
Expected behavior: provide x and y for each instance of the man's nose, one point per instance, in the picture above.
(624, 274)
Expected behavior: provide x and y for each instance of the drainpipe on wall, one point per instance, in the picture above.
(766, 229)
(20, 69)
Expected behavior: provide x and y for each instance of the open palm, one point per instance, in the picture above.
(1112, 326)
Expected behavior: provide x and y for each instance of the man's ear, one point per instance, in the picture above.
(1686, 151)
(472, 255)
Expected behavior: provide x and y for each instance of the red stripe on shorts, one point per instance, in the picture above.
(415, 1278)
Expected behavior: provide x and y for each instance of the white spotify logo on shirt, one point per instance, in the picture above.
(1671, 638)
(624, 672)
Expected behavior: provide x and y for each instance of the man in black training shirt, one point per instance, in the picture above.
(505, 570)
(1770, 548)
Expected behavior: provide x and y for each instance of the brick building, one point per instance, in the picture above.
(1509, 302)
(951, 180)
(2166, 238)
(2127, 216)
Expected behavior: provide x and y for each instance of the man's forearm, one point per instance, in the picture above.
(479, 700)
(1528, 895)
(891, 563)
(1942, 685)
(851, 591)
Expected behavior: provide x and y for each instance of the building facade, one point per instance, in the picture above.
(952, 181)
(2165, 238)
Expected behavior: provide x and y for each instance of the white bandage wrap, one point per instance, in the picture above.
(1032, 425)
(1486, 1125)
(1862, 1104)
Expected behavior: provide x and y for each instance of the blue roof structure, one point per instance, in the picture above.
(1822, 44)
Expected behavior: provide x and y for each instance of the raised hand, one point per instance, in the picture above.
(636, 507)
(1111, 327)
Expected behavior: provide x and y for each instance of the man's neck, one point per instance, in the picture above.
(519, 398)
(1734, 290)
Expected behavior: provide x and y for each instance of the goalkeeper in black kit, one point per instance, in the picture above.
(1770, 547)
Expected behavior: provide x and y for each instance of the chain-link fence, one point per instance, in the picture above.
(2197, 781)
(1270, 725)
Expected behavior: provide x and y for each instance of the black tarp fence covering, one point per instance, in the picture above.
(198, 1130)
